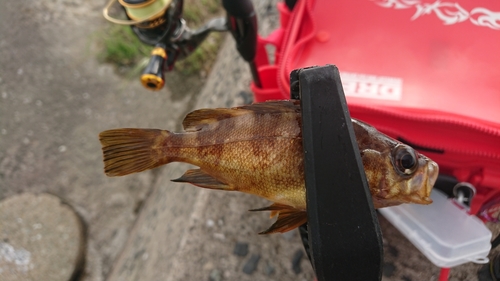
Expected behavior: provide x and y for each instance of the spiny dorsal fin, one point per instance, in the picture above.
(289, 218)
(198, 119)
(274, 106)
(199, 178)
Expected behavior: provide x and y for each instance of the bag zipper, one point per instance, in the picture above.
(432, 120)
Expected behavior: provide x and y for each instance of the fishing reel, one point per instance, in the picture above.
(159, 23)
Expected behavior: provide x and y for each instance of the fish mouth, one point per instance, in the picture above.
(423, 183)
(418, 199)
(432, 173)
(423, 196)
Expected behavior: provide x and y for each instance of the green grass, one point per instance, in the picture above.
(197, 12)
(122, 48)
(202, 58)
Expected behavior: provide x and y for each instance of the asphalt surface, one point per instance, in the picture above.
(54, 100)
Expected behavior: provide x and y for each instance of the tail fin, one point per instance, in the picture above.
(128, 151)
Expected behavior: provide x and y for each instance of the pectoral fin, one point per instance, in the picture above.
(289, 218)
(202, 179)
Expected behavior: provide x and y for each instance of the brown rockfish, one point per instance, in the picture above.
(257, 149)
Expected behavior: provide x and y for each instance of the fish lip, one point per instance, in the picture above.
(432, 171)
(423, 183)
(432, 174)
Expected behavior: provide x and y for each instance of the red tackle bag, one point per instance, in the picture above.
(424, 72)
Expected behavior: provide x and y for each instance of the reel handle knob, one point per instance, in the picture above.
(153, 77)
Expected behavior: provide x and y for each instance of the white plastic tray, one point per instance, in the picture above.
(442, 231)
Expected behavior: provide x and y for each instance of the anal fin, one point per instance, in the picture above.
(199, 178)
(274, 208)
(289, 218)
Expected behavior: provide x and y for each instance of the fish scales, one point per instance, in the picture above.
(251, 157)
(257, 149)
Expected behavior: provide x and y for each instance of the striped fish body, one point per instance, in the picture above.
(257, 149)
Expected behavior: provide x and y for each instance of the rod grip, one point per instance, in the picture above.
(242, 22)
(238, 8)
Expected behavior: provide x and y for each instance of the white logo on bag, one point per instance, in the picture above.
(371, 86)
(398, 4)
(448, 12)
(485, 17)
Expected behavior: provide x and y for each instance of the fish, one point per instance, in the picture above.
(257, 149)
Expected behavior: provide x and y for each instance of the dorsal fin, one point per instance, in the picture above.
(200, 118)
(274, 106)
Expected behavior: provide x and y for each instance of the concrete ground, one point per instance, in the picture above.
(54, 100)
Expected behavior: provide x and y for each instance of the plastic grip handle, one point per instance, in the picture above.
(239, 8)
(242, 22)
(153, 77)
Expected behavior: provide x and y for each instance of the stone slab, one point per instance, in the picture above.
(41, 238)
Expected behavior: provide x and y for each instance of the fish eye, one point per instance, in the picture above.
(404, 159)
